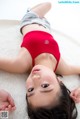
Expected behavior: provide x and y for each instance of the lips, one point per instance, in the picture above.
(36, 73)
(35, 70)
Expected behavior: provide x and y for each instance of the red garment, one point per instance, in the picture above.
(37, 42)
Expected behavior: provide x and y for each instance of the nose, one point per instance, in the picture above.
(36, 80)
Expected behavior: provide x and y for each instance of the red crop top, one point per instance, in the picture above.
(37, 42)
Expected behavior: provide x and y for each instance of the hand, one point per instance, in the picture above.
(75, 95)
(6, 101)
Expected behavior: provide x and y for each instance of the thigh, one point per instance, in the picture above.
(41, 9)
(31, 21)
(36, 16)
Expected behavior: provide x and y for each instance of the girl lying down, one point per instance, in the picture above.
(46, 95)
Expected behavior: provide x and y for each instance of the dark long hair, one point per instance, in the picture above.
(66, 109)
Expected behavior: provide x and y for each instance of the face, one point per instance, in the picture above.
(43, 88)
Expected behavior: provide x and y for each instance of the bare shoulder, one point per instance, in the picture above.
(25, 58)
(63, 67)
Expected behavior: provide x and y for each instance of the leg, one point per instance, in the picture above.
(41, 9)
(34, 17)
(66, 69)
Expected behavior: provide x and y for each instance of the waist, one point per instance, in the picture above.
(34, 27)
(37, 35)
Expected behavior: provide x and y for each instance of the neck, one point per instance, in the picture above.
(46, 62)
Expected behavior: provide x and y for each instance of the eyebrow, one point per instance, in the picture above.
(46, 91)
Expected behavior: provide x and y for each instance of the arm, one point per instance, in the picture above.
(67, 69)
(19, 64)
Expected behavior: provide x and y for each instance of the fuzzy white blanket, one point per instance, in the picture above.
(10, 40)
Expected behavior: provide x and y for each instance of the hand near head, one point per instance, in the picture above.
(6, 101)
(75, 95)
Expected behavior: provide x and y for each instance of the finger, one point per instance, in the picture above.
(72, 94)
(13, 108)
(7, 109)
(3, 108)
(10, 108)
(77, 100)
(74, 98)
(11, 101)
(75, 93)
(4, 105)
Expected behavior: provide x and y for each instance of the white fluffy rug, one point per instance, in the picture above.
(10, 39)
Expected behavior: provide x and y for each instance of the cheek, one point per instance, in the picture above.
(29, 82)
(48, 79)
(48, 76)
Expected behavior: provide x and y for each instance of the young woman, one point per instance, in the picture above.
(47, 97)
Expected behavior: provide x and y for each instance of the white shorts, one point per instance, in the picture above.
(32, 18)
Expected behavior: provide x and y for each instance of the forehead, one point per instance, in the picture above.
(44, 99)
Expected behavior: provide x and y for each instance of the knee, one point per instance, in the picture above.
(48, 4)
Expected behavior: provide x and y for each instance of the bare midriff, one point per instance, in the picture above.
(33, 27)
